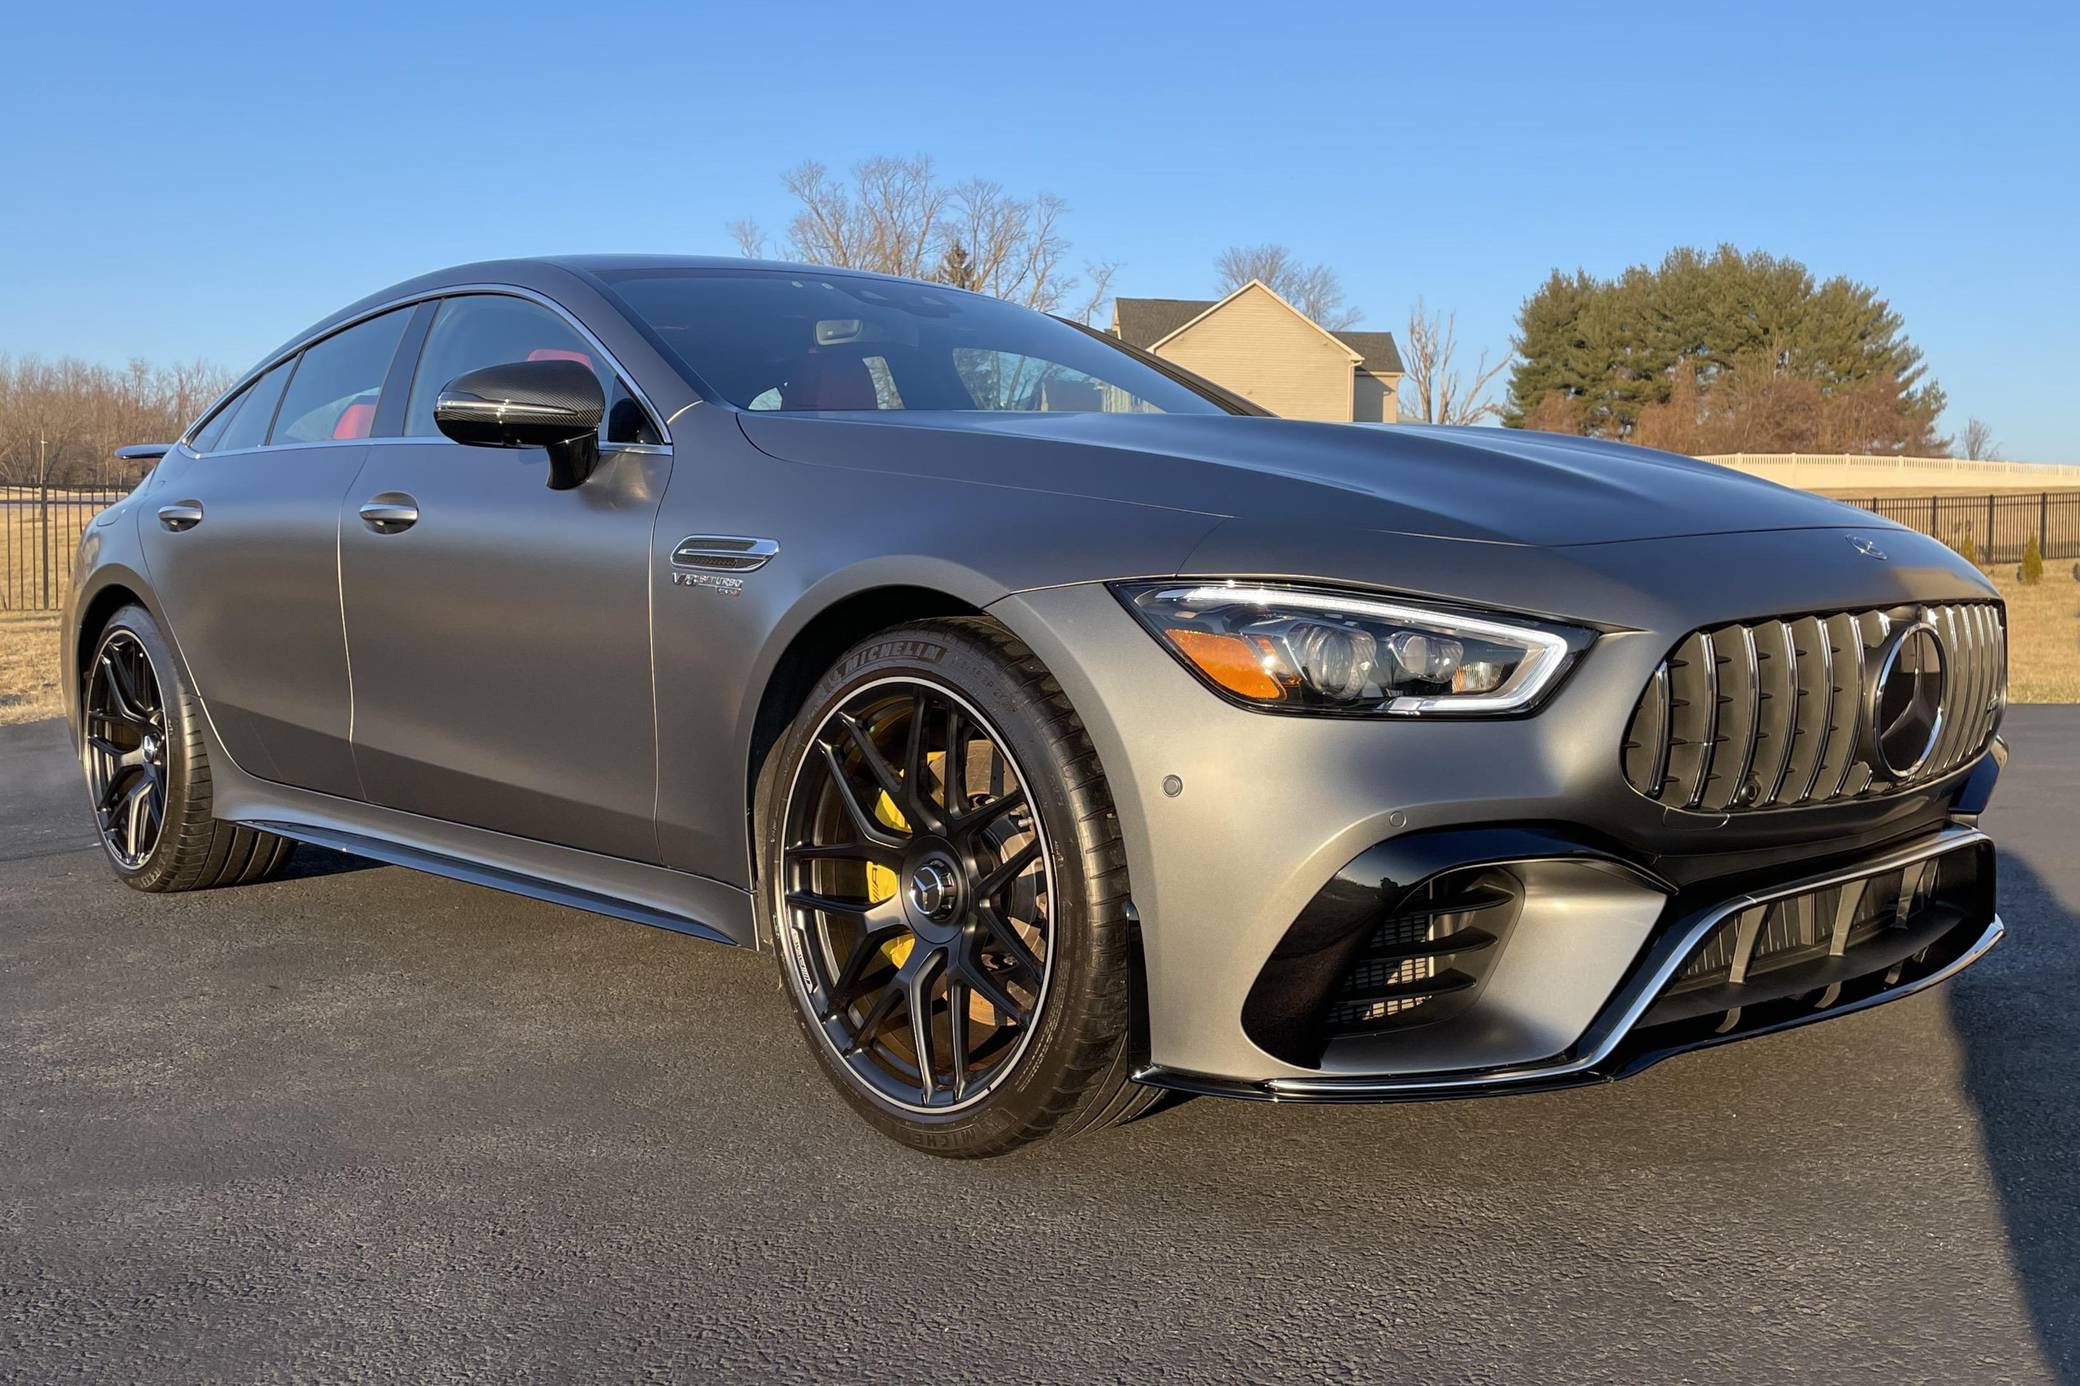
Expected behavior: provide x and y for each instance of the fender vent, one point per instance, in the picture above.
(723, 553)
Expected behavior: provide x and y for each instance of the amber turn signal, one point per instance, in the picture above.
(1230, 661)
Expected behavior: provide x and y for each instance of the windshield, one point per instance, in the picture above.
(787, 340)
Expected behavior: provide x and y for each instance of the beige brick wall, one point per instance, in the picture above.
(1262, 350)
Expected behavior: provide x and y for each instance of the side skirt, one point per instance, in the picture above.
(635, 891)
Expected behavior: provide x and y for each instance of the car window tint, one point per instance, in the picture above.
(1009, 380)
(799, 339)
(204, 438)
(339, 381)
(472, 331)
(247, 426)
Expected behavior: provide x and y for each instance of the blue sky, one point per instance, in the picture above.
(200, 181)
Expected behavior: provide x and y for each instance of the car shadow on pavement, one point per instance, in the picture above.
(308, 863)
(2017, 1024)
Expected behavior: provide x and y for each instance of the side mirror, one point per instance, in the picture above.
(555, 405)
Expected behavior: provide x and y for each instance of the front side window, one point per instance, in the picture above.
(339, 382)
(476, 330)
(246, 418)
(780, 339)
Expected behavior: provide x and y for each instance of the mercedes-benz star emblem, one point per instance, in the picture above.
(1867, 547)
(1904, 704)
(931, 890)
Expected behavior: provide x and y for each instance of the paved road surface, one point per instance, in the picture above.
(365, 1123)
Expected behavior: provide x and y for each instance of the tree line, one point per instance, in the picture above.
(61, 421)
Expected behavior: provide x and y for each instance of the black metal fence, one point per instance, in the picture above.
(1997, 525)
(39, 534)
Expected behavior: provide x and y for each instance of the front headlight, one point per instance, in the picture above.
(1305, 649)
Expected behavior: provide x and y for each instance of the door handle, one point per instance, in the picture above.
(181, 515)
(393, 512)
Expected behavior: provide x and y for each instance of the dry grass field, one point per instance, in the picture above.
(28, 666)
(2043, 635)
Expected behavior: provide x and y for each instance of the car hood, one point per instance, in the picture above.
(1490, 485)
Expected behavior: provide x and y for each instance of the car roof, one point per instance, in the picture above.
(549, 273)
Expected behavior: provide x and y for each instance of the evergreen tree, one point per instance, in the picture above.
(956, 269)
(1610, 350)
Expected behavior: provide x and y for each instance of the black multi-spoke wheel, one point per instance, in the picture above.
(147, 770)
(916, 893)
(125, 749)
(946, 890)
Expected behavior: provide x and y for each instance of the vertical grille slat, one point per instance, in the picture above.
(1776, 723)
(1690, 706)
(1967, 700)
(1739, 701)
(1951, 743)
(1845, 637)
(1769, 713)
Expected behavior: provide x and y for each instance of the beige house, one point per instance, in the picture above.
(1269, 352)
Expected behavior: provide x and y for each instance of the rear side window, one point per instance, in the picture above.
(243, 422)
(476, 330)
(339, 381)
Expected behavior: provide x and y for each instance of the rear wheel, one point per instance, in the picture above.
(147, 771)
(948, 894)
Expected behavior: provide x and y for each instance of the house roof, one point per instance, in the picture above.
(1143, 322)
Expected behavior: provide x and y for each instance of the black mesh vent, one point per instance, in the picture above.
(1427, 961)
(1769, 714)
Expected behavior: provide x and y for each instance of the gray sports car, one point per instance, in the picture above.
(1069, 729)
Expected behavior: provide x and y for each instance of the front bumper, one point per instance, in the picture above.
(1680, 996)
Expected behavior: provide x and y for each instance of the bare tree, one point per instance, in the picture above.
(1438, 391)
(894, 216)
(750, 238)
(1314, 289)
(1978, 441)
(61, 420)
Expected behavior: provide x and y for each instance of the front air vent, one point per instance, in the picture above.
(1815, 948)
(1773, 714)
(1427, 959)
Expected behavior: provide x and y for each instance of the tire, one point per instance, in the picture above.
(1053, 1057)
(147, 769)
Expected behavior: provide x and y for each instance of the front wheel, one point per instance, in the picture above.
(948, 895)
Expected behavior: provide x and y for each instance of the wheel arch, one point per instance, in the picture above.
(110, 589)
(809, 652)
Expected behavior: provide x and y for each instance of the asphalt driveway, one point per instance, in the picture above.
(366, 1123)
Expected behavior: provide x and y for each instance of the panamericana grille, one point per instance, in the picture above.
(1426, 961)
(1771, 714)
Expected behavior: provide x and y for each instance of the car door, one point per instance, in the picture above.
(242, 543)
(500, 631)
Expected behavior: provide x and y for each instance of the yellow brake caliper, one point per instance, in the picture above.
(882, 884)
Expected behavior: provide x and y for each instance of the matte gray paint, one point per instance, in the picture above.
(527, 678)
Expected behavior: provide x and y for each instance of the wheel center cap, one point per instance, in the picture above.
(933, 890)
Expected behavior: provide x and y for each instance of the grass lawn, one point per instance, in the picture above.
(2043, 635)
(28, 666)
(2043, 648)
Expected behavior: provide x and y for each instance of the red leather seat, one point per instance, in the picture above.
(558, 354)
(355, 420)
